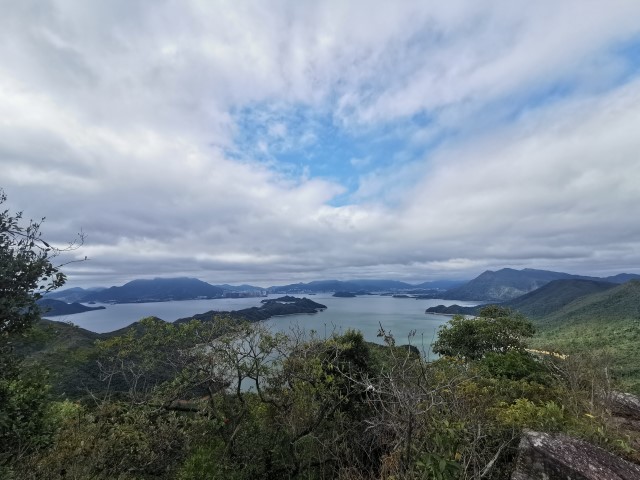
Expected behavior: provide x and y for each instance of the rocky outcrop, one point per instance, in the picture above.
(543, 456)
(624, 405)
(625, 415)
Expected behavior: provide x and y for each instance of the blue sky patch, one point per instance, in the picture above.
(300, 141)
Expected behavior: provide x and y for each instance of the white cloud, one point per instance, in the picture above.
(118, 118)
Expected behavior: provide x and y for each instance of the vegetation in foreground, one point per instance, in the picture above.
(221, 399)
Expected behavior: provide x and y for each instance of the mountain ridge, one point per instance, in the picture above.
(507, 283)
(156, 290)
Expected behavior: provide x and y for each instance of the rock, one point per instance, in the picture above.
(624, 405)
(543, 456)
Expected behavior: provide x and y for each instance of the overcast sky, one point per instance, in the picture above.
(279, 141)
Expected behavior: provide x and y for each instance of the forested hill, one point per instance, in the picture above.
(605, 324)
(508, 284)
(544, 302)
(505, 284)
(622, 301)
(553, 296)
(156, 290)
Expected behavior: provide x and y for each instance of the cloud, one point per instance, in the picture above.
(293, 141)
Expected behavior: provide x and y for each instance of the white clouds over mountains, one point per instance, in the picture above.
(516, 124)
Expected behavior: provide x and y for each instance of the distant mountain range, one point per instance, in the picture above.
(153, 290)
(156, 290)
(70, 295)
(491, 286)
(167, 289)
(363, 285)
(508, 284)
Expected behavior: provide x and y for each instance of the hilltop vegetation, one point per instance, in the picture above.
(606, 323)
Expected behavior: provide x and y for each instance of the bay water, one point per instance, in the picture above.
(399, 316)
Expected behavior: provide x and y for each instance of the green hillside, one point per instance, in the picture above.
(606, 322)
(541, 302)
(506, 284)
(65, 350)
(555, 295)
(622, 301)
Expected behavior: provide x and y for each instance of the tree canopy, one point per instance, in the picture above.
(26, 270)
(495, 329)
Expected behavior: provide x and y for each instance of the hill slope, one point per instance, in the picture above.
(543, 301)
(156, 290)
(71, 295)
(604, 323)
(555, 295)
(506, 284)
(622, 301)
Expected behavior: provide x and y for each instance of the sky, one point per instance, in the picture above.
(285, 141)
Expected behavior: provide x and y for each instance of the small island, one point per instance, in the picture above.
(452, 310)
(270, 308)
(54, 308)
(344, 294)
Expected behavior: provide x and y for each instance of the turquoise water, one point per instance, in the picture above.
(366, 313)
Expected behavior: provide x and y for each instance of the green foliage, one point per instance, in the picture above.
(496, 329)
(208, 462)
(26, 271)
(114, 441)
(441, 460)
(547, 416)
(514, 365)
(24, 422)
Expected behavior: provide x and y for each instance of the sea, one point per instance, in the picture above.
(401, 317)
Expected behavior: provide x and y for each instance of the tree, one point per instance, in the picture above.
(496, 329)
(26, 272)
